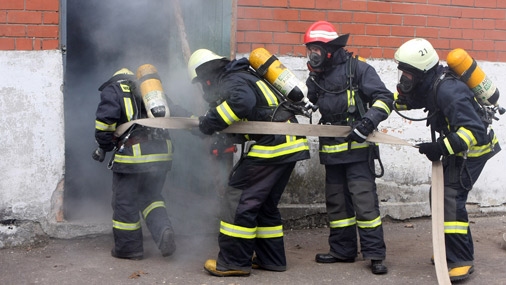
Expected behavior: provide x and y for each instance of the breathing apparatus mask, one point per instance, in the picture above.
(317, 56)
(207, 79)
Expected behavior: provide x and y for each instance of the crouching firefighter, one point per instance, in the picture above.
(140, 161)
(250, 221)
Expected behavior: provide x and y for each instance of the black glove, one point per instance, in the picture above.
(98, 154)
(361, 130)
(203, 127)
(432, 150)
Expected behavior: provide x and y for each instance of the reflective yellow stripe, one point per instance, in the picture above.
(477, 151)
(369, 224)
(138, 157)
(351, 98)
(226, 113)
(270, 232)
(125, 88)
(467, 136)
(343, 147)
(101, 126)
(271, 99)
(154, 205)
(381, 105)
(126, 226)
(343, 223)
(263, 151)
(456, 228)
(129, 109)
(237, 231)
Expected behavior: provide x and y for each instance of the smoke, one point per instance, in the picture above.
(104, 36)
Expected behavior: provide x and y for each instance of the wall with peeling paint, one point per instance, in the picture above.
(31, 128)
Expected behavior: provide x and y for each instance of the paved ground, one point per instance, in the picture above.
(88, 260)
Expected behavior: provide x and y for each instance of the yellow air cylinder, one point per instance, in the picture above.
(152, 93)
(466, 67)
(278, 75)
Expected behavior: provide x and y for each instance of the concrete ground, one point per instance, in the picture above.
(88, 260)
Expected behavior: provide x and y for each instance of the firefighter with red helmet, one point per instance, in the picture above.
(464, 141)
(141, 159)
(348, 91)
(250, 221)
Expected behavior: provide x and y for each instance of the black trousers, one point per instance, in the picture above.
(352, 204)
(250, 206)
(457, 184)
(136, 194)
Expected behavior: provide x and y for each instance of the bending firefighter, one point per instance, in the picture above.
(348, 92)
(250, 219)
(141, 159)
(465, 140)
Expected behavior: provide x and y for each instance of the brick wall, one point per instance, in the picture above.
(377, 28)
(29, 24)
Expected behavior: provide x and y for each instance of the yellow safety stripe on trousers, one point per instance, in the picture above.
(101, 126)
(237, 231)
(456, 228)
(369, 224)
(271, 99)
(381, 105)
(343, 147)
(126, 226)
(292, 146)
(129, 109)
(343, 223)
(270, 232)
(152, 206)
(138, 157)
(226, 113)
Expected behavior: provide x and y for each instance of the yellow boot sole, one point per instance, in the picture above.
(210, 266)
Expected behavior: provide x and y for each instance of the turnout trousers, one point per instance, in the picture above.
(250, 218)
(458, 238)
(352, 203)
(134, 193)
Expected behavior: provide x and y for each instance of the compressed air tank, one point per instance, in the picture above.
(276, 73)
(151, 91)
(466, 67)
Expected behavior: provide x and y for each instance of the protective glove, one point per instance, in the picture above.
(361, 130)
(203, 127)
(98, 154)
(432, 150)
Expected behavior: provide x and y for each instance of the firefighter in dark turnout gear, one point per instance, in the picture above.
(465, 140)
(250, 221)
(349, 92)
(140, 163)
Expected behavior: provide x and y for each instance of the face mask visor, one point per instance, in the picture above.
(315, 56)
(407, 82)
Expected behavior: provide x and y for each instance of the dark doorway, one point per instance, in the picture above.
(104, 36)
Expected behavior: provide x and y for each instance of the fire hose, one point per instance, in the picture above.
(281, 128)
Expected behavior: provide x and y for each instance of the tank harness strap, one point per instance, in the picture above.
(467, 74)
(351, 70)
(262, 69)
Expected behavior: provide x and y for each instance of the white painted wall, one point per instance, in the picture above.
(32, 132)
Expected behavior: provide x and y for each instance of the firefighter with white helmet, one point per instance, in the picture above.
(140, 161)
(250, 218)
(464, 141)
(348, 91)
